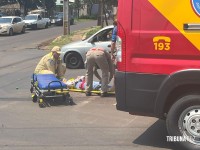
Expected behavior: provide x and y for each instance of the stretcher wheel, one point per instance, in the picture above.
(34, 98)
(70, 101)
(31, 89)
(41, 103)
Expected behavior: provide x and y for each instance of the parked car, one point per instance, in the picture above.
(35, 21)
(58, 19)
(48, 21)
(42, 13)
(73, 54)
(12, 24)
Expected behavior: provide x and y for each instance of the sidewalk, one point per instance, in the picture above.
(75, 36)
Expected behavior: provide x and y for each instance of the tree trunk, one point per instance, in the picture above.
(100, 14)
(104, 11)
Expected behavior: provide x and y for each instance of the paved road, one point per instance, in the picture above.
(92, 124)
(34, 37)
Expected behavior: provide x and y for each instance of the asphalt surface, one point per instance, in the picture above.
(92, 124)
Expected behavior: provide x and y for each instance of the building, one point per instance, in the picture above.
(59, 4)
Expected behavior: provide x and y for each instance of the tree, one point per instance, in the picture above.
(5, 2)
(27, 5)
(77, 5)
(48, 5)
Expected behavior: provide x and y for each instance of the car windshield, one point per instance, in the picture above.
(59, 15)
(5, 20)
(31, 17)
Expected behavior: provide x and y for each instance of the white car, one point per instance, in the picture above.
(74, 54)
(35, 21)
(11, 24)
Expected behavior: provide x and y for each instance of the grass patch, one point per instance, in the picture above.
(92, 31)
(60, 41)
(82, 20)
(75, 36)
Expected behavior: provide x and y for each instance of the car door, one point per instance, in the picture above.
(15, 25)
(20, 24)
(39, 22)
(103, 39)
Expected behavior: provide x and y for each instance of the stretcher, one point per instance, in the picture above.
(46, 87)
(94, 91)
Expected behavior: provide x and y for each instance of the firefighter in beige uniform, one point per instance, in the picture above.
(101, 58)
(51, 63)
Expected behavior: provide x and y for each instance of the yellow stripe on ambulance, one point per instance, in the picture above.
(180, 13)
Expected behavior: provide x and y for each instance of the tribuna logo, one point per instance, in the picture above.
(179, 138)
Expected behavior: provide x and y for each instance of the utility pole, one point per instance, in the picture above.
(66, 25)
(100, 14)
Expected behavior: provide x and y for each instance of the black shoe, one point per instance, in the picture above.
(104, 94)
(88, 93)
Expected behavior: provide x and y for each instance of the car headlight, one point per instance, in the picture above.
(5, 27)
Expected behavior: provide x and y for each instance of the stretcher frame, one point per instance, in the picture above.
(42, 95)
(94, 91)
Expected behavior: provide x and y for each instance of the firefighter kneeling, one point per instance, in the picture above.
(98, 57)
(51, 63)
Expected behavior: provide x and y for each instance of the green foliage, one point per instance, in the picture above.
(92, 31)
(65, 39)
(88, 17)
(79, 4)
(60, 41)
(5, 2)
(33, 4)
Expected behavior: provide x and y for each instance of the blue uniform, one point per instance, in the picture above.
(114, 34)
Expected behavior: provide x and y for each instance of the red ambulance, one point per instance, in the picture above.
(158, 59)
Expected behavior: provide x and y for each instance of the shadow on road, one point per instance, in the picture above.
(58, 102)
(155, 136)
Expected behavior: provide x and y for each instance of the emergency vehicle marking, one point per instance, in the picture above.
(162, 43)
(184, 14)
(196, 6)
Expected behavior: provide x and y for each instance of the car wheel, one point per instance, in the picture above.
(46, 26)
(183, 122)
(11, 32)
(73, 60)
(35, 27)
(23, 29)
